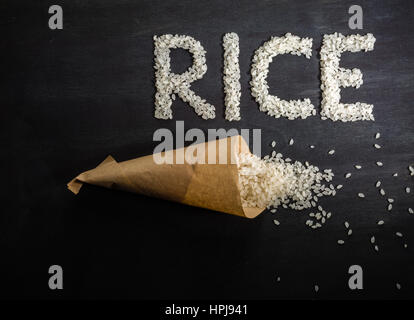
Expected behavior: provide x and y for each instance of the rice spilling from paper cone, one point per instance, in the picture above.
(273, 181)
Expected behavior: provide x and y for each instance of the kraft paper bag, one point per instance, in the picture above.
(193, 179)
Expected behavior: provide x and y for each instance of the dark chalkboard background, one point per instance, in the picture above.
(73, 96)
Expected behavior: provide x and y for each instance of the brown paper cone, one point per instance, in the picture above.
(211, 186)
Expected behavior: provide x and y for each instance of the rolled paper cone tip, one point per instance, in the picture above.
(211, 186)
(75, 185)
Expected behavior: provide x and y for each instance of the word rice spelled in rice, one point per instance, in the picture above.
(169, 85)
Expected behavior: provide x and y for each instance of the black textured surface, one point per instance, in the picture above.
(73, 96)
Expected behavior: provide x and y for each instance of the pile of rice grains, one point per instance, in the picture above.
(275, 181)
